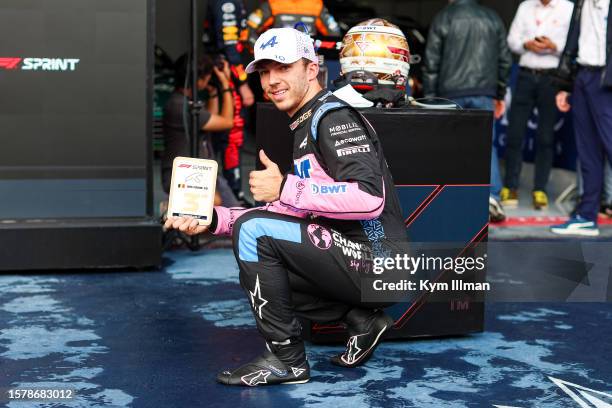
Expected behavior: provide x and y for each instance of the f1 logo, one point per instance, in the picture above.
(9, 63)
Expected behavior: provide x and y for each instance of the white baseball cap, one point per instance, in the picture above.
(284, 45)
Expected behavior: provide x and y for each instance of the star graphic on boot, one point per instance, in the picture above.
(256, 378)
(353, 350)
(256, 295)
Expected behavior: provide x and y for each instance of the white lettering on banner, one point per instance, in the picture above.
(426, 285)
(353, 149)
(402, 285)
(431, 287)
(50, 64)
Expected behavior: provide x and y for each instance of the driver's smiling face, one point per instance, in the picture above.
(285, 84)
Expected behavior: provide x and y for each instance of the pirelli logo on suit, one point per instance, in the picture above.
(346, 151)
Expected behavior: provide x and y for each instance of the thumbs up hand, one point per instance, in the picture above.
(266, 184)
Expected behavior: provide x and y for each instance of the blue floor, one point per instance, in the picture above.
(157, 339)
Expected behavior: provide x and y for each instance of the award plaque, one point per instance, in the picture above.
(192, 192)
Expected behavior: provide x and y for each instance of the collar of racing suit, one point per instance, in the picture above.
(299, 117)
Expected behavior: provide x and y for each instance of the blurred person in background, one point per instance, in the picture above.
(177, 118)
(586, 69)
(605, 207)
(287, 13)
(225, 39)
(606, 196)
(538, 33)
(225, 34)
(468, 61)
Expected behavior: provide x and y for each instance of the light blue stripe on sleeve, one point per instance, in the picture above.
(323, 109)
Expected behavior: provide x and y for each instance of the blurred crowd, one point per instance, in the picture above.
(563, 50)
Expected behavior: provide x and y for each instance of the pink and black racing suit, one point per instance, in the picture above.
(306, 254)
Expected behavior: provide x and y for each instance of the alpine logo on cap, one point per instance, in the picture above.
(271, 43)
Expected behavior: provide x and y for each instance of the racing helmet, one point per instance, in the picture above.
(375, 54)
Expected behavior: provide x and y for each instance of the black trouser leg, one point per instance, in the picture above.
(290, 267)
(547, 113)
(521, 107)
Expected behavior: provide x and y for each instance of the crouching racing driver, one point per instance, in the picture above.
(301, 254)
